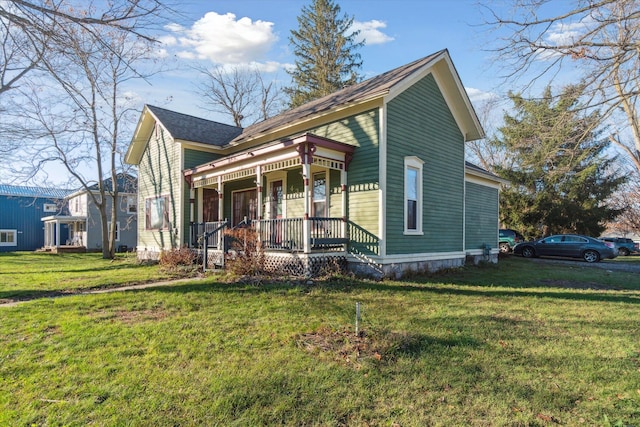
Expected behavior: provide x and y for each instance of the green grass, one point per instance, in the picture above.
(514, 344)
(26, 275)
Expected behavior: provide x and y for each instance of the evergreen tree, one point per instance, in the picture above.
(561, 177)
(325, 48)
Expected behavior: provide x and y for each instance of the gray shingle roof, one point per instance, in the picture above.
(366, 89)
(190, 128)
(25, 191)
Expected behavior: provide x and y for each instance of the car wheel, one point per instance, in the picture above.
(528, 252)
(505, 248)
(623, 251)
(591, 256)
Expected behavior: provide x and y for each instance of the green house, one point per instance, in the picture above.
(373, 176)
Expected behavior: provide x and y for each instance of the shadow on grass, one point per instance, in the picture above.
(400, 287)
(467, 281)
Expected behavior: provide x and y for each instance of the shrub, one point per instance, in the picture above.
(247, 256)
(178, 260)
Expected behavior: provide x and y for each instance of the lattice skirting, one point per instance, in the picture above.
(301, 265)
(287, 264)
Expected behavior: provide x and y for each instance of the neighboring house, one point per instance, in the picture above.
(373, 175)
(82, 219)
(20, 211)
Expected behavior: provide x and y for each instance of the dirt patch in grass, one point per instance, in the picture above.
(347, 347)
(571, 284)
(129, 317)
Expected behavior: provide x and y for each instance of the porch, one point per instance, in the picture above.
(293, 245)
(292, 193)
(63, 233)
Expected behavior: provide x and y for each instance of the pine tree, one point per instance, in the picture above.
(562, 178)
(325, 48)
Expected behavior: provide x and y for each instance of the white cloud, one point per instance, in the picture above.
(370, 32)
(567, 33)
(168, 40)
(477, 95)
(223, 39)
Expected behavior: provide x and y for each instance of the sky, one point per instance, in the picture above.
(256, 32)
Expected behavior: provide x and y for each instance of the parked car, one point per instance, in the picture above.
(508, 239)
(625, 246)
(568, 245)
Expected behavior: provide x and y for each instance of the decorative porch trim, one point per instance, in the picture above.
(284, 154)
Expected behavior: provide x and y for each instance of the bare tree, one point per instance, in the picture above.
(30, 28)
(597, 38)
(239, 92)
(486, 152)
(77, 113)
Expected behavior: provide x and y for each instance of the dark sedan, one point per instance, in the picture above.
(567, 245)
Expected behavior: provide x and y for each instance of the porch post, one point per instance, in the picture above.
(259, 191)
(192, 204)
(57, 233)
(220, 216)
(259, 197)
(343, 186)
(306, 223)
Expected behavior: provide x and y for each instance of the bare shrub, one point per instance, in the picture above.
(246, 257)
(179, 260)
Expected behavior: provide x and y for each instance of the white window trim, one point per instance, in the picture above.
(117, 229)
(271, 177)
(15, 237)
(413, 162)
(327, 191)
(50, 207)
(132, 201)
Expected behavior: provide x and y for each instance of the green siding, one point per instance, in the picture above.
(362, 131)
(159, 173)
(419, 123)
(294, 194)
(481, 225)
(192, 158)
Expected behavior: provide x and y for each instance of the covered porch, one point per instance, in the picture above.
(65, 233)
(293, 193)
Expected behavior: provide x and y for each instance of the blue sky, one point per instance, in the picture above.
(238, 32)
(256, 32)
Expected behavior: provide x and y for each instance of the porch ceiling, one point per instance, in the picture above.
(304, 149)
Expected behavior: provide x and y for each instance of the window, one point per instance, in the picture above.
(319, 195)
(412, 195)
(50, 207)
(117, 229)
(8, 238)
(132, 204)
(157, 213)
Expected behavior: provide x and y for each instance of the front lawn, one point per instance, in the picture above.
(27, 275)
(513, 344)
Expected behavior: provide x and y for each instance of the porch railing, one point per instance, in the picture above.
(326, 234)
(281, 234)
(209, 229)
(284, 234)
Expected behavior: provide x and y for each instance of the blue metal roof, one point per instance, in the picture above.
(23, 191)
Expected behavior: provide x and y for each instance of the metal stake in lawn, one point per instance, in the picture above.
(357, 319)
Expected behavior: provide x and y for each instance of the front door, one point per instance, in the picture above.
(245, 204)
(209, 205)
